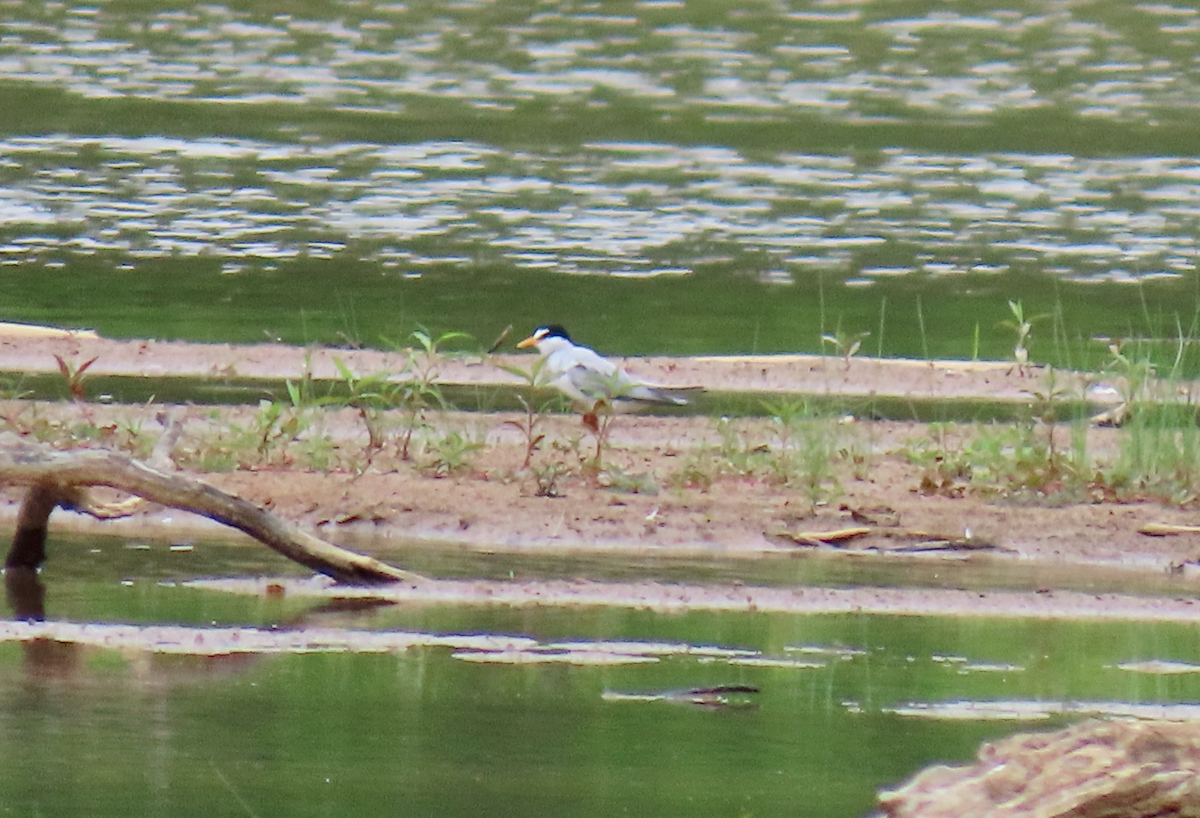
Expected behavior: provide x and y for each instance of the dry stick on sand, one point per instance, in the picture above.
(1164, 530)
(60, 479)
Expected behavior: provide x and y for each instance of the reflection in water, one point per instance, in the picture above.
(162, 691)
(25, 592)
(1043, 710)
(44, 657)
(737, 697)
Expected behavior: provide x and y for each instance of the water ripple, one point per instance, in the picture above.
(165, 197)
(633, 208)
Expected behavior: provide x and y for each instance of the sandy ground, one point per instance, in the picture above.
(652, 506)
(774, 373)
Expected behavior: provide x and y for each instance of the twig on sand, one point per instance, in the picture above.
(1164, 530)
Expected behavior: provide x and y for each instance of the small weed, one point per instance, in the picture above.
(1011, 460)
(703, 465)
(1133, 377)
(419, 391)
(1160, 441)
(1160, 452)
(370, 396)
(303, 392)
(1000, 460)
(806, 447)
(274, 427)
(799, 448)
(847, 345)
(735, 452)
(1047, 406)
(530, 429)
(697, 471)
(627, 482)
(316, 451)
(12, 388)
(859, 456)
(530, 426)
(128, 435)
(1022, 329)
(452, 453)
(547, 477)
(941, 457)
(73, 377)
(268, 439)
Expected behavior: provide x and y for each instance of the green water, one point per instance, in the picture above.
(661, 176)
(419, 731)
(669, 177)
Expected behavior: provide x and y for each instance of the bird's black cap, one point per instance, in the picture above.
(555, 331)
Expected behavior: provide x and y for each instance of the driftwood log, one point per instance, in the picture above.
(1096, 769)
(58, 479)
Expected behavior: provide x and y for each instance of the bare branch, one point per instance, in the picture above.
(59, 479)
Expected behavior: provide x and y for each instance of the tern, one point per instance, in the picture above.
(589, 379)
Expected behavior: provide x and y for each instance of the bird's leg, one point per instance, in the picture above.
(591, 421)
(600, 429)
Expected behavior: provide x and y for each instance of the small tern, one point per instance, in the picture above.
(590, 380)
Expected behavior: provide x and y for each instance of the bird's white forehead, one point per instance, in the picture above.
(541, 333)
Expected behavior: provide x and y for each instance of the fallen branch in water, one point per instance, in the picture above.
(61, 479)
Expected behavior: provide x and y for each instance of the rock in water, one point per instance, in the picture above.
(1096, 769)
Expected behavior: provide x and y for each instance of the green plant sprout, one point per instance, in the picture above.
(806, 449)
(419, 390)
(530, 426)
(847, 346)
(1133, 377)
(453, 453)
(1023, 330)
(548, 477)
(370, 396)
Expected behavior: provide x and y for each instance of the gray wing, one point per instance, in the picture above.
(585, 383)
(587, 377)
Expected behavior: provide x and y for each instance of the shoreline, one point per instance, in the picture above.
(494, 506)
